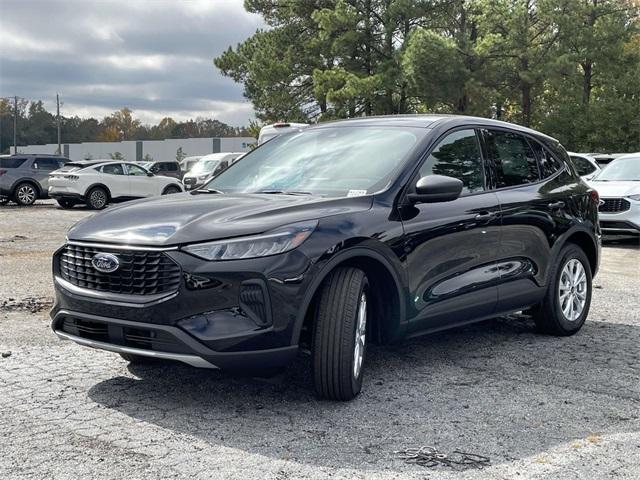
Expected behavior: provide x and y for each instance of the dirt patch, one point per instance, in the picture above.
(29, 304)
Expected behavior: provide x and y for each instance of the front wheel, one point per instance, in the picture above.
(339, 334)
(66, 203)
(171, 189)
(566, 304)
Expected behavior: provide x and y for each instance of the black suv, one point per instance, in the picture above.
(364, 230)
(25, 178)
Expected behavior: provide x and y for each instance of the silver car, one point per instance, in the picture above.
(25, 178)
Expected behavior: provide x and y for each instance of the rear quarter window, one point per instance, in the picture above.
(12, 162)
(549, 163)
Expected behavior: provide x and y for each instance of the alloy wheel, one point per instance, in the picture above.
(572, 291)
(361, 335)
(26, 194)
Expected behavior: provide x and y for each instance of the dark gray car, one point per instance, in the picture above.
(25, 178)
(169, 168)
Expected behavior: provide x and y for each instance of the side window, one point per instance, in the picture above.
(135, 170)
(513, 158)
(457, 155)
(172, 167)
(113, 169)
(45, 164)
(583, 166)
(548, 163)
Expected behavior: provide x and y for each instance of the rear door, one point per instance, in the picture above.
(452, 247)
(534, 199)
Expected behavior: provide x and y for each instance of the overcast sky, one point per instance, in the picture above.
(153, 56)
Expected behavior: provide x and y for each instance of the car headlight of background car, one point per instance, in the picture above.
(273, 242)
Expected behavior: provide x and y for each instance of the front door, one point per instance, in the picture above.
(140, 185)
(452, 247)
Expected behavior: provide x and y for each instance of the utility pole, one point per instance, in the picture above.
(15, 125)
(58, 122)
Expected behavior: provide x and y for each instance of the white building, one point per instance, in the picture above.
(137, 150)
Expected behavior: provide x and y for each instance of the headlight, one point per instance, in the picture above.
(203, 177)
(634, 197)
(276, 241)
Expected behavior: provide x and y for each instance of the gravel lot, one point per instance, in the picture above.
(539, 407)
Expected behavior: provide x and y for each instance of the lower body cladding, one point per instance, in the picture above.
(215, 314)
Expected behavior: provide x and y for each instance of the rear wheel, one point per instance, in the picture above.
(566, 304)
(97, 198)
(339, 334)
(25, 194)
(170, 190)
(66, 203)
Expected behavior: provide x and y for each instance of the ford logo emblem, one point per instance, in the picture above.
(105, 262)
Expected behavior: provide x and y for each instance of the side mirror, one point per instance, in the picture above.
(436, 188)
(149, 174)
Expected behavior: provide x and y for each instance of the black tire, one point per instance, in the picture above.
(66, 203)
(549, 316)
(97, 198)
(171, 189)
(334, 334)
(25, 194)
(137, 359)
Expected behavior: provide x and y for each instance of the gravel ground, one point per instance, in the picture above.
(539, 407)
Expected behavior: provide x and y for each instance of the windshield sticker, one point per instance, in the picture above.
(356, 193)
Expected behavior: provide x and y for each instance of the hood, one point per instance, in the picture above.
(185, 218)
(616, 188)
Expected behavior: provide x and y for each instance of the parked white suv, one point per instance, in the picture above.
(99, 182)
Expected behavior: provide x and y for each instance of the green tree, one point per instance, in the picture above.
(180, 155)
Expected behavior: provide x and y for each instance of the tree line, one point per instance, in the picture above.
(570, 68)
(37, 126)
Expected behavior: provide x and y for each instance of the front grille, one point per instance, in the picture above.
(611, 205)
(140, 272)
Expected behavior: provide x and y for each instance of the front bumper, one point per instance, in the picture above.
(626, 222)
(211, 320)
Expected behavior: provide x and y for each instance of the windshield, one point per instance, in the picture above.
(332, 161)
(620, 170)
(147, 165)
(204, 166)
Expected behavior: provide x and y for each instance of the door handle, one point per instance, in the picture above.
(554, 205)
(485, 215)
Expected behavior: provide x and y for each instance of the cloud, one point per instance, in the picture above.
(153, 56)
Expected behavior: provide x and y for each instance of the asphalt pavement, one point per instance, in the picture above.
(537, 406)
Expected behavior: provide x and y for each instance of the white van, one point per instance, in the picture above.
(269, 131)
(208, 167)
(187, 163)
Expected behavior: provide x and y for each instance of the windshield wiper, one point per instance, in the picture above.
(200, 191)
(283, 192)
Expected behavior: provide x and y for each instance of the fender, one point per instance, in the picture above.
(337, 259)
(562, 241)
